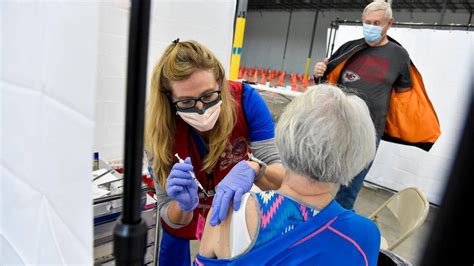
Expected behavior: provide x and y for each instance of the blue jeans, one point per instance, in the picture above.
(174, 250)
(347, 195)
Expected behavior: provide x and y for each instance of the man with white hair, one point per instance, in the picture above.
(380, 71)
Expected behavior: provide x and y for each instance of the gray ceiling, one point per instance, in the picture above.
(348, 5)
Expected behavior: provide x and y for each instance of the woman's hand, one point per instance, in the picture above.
(181, 187)
(237, 182)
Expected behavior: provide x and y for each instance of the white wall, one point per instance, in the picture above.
(111, 78)
(47, 85)
(265, 35)
(209, 22)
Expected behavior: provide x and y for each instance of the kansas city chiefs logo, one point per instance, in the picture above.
(349, 76)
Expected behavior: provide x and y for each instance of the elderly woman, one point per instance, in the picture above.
(325, 137)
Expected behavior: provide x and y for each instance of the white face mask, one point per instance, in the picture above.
(204, 122)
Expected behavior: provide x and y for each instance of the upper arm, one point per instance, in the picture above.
(403, 81)
(368, 237)
(259, 120)
(266, 151)
(374, 246)
(215, 242)
(161, 195)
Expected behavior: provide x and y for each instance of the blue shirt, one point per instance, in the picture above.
(334, 236)
(279, 214)
(259, 120)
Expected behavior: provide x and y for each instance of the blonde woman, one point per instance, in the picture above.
(193, 111)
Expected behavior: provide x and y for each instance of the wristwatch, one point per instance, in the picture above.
(263, 166)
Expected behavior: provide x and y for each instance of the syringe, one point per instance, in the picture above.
(193, 176)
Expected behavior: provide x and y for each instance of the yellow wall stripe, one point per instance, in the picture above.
(237, 48)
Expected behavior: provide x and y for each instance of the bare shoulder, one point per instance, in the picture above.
(215, 239)
(215, 242)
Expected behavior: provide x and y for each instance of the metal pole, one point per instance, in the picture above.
(286, 40)
(443, 11)
(469, 22)
(336, 26)
(135, 115)
(314, 32)
(131, 231)
(319, 80)
(242, 8)
(329, 41)
(308, 60)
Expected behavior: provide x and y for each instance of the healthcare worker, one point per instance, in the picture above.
(194, 112)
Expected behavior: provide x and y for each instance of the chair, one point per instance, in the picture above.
(410, 207)
(389, 258)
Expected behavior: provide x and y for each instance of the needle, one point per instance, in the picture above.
(193, 176)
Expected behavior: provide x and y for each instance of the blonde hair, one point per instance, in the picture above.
(179, 61)
(379, 5)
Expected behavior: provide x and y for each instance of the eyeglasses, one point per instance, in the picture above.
(189, 104)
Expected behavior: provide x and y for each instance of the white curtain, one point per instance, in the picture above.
(443, 58)
(47, 85)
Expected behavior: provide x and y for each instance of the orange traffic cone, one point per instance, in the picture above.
(304, 83)
(263, 80)
(241, 72)
(294, 82)
(281, 79)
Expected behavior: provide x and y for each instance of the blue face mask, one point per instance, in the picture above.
(372, 33)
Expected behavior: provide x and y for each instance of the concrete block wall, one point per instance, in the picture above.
(209, 22)
(111, 79)
(47, 85)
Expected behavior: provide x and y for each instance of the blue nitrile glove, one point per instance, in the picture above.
(235, 184)
(181, 187)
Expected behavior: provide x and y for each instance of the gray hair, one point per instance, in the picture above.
(326, 135)
(379, 5)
